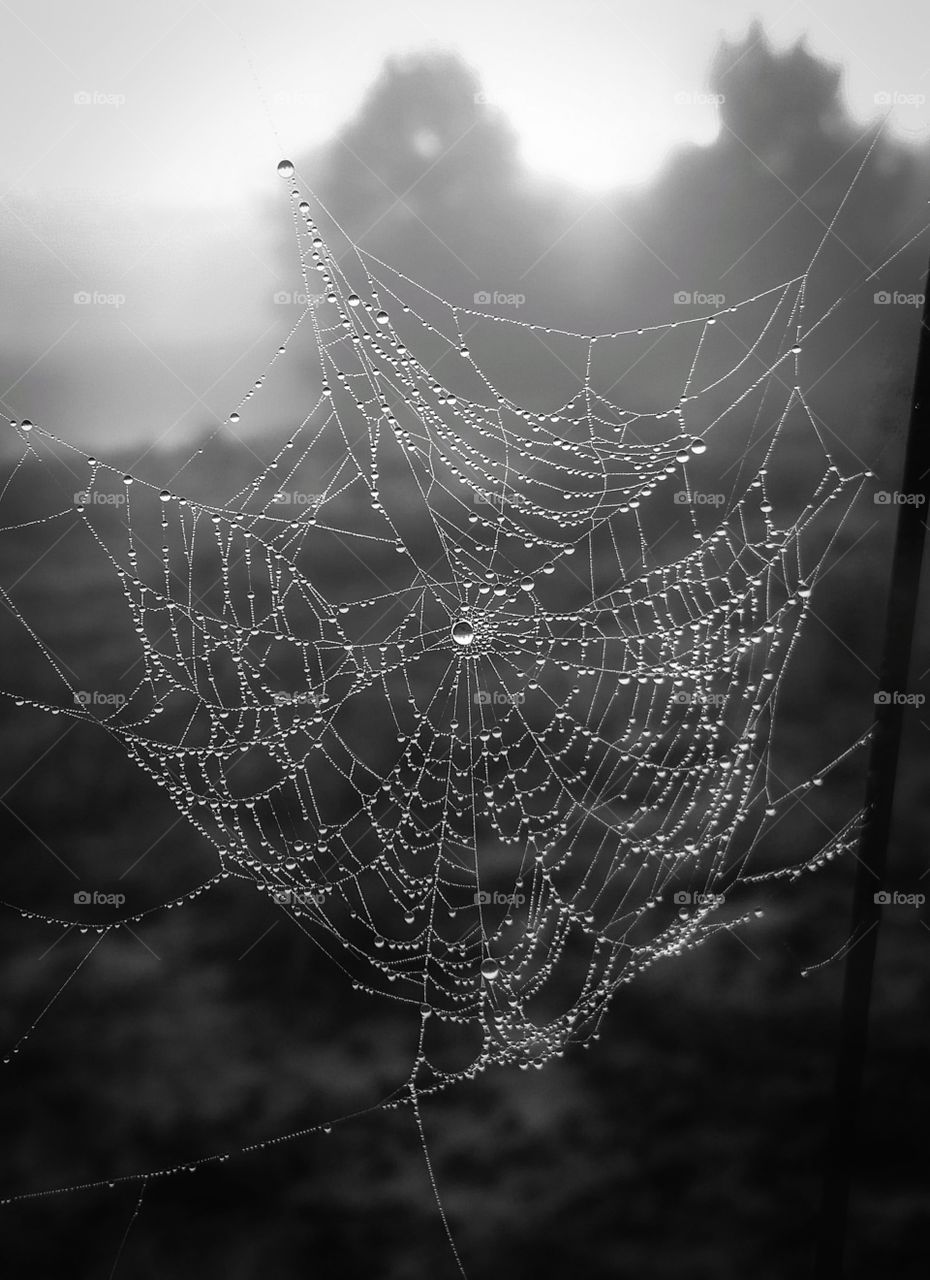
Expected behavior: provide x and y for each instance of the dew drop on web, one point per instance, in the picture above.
(463, 633)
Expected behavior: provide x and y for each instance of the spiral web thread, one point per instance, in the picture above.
(533, 756)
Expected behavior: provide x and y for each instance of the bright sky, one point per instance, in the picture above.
(192, 102)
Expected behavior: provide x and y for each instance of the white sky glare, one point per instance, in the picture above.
(193, 102)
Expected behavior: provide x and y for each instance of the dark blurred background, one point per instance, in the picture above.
(686, 1141)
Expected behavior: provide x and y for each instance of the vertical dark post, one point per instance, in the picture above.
(873, 844)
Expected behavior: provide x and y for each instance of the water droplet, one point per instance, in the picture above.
(698, 446)
(383, 318)
(489, 969)
(526, 584)
(353, 300)
(463, 633)
(285, 169)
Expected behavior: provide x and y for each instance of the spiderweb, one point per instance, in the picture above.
(481, 690)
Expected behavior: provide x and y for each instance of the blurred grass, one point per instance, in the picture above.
(684, 1143)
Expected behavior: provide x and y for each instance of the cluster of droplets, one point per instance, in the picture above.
(566, 754)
